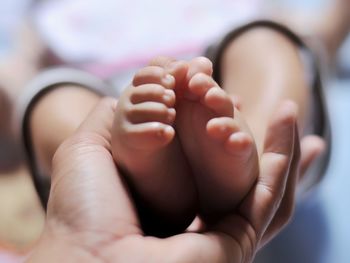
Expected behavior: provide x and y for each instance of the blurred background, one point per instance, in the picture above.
(110, 38)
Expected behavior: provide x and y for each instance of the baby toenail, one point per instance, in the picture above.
(169, 79)
(167, 130)
(169, 92)
(168, 95)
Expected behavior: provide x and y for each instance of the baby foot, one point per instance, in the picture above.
(218, 145)
(146, 149)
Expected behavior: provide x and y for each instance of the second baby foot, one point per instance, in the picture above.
(218, 145)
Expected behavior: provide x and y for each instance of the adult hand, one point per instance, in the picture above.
(91, 217)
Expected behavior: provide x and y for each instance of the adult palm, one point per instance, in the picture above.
(91, 216)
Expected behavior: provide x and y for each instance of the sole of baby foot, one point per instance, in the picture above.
(218, 145)
(150, 156)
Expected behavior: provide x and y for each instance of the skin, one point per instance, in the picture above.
(279, 74)
(204, 150)
(93, 227)
(328, 28)
(146, 149)
(217, 143)
(290, 81)
(334, 31)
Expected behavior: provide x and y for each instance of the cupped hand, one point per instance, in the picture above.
(91, 217)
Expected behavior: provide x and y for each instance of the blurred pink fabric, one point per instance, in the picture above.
(106, 36)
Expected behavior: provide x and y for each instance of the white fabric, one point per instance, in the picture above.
(130, 32)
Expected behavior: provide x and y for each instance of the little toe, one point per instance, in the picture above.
(150, 112)
(221, 128)
(151, 135)
(219, 101)
(154, 75)
(154, 93)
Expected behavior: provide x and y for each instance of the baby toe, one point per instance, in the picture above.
(240, 144)
(151, 135)
(154, 93)
(221, 128)
(154, 75)
(199, 85)
(200, 64)
(150, 112)
(219, 101)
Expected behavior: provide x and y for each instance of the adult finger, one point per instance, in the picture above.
(286, 208)
(247, 224)
(261, 204)
(312, 146)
